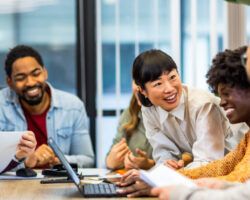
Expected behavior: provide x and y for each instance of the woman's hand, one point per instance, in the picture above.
(211, 183)
(115, 158)
(138, 162)
(174, 164)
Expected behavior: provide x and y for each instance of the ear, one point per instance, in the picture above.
(45, 73)
(142, 91)
(9, 81)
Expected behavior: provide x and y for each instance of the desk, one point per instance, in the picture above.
(32, 189)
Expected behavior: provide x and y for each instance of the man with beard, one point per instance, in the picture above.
(31, 103)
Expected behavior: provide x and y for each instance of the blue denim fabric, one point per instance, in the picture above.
(67, 123)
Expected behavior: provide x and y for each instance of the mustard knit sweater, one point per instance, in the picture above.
(235, 166)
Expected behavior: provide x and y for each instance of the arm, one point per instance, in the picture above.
(240, 191)
(81, 151)
(119, 148)
(210, 128)
(219, 167)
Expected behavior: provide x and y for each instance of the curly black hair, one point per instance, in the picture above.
(20, 51)
(227, 69)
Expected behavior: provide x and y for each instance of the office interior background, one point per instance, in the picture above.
(88, 46)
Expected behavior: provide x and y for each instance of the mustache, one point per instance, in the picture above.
(32, 87)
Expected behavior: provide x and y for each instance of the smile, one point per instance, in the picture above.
(171, 99)
(33, 91)
(229, 111)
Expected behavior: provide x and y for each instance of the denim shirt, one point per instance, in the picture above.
(66, 122)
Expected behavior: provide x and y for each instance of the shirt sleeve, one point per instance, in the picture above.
(210, 135)
(220, 167)
(81, 151)
(163, 147)
(236, 192)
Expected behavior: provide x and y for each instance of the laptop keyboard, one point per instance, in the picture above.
(100, 190)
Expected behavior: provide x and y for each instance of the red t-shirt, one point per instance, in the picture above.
(37, 124)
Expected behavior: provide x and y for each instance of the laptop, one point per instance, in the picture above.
(87, 190)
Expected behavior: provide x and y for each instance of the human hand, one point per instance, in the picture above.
(174, 164)
(42, 156)
(138, 162)
(136, 189)
(129, 177)
(26, 145)
(115, 158)
(211, 183)
(163, 193)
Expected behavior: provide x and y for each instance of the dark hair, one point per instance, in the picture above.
(227, 69)
(148, 66)
(20, 51)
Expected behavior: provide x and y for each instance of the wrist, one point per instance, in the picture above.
(18, 160)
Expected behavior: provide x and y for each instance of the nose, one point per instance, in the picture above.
(30, 81)
(223, 102)
(168, 88)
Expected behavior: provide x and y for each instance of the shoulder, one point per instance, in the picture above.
(5, 95)
(198, 98)
(125, 116)
(66, 99)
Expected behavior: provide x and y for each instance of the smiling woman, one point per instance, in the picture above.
(178, 118)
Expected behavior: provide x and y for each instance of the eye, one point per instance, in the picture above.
(20, 78)
(156, 84)
(36, 73)
(172, 77)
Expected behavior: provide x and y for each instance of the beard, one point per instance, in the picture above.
(32, 101)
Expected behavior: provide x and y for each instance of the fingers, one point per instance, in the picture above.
(130, 177)
(128, 163)
(174, 164)
(27, 141)
(156, 191)
(139, 188)
(45, 155)
(141, 153)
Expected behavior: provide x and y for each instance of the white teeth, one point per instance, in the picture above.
(229, 111)
(171, 97)
(32, 91)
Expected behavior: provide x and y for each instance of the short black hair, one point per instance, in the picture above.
(227, 69)
(20, 51)
(149, 66)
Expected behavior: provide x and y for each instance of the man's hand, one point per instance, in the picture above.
(211, 183)
(174, 164)
(163, 193)
(43, 155)
(116, 156)
(137, 189)
(26, 145)
(138, 162)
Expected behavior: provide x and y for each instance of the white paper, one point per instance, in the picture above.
(93, 171)
(8, 145)
(162, 175)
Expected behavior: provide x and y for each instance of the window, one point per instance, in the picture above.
(50, 27)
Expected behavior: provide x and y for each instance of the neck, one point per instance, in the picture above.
(40, 108)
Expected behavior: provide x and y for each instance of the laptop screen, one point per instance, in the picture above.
(64, 161)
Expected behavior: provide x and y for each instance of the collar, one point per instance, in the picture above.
(178, 112)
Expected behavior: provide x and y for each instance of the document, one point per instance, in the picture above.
(162, 175)
(8, 145)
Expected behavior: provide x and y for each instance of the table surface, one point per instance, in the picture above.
(32, 189)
